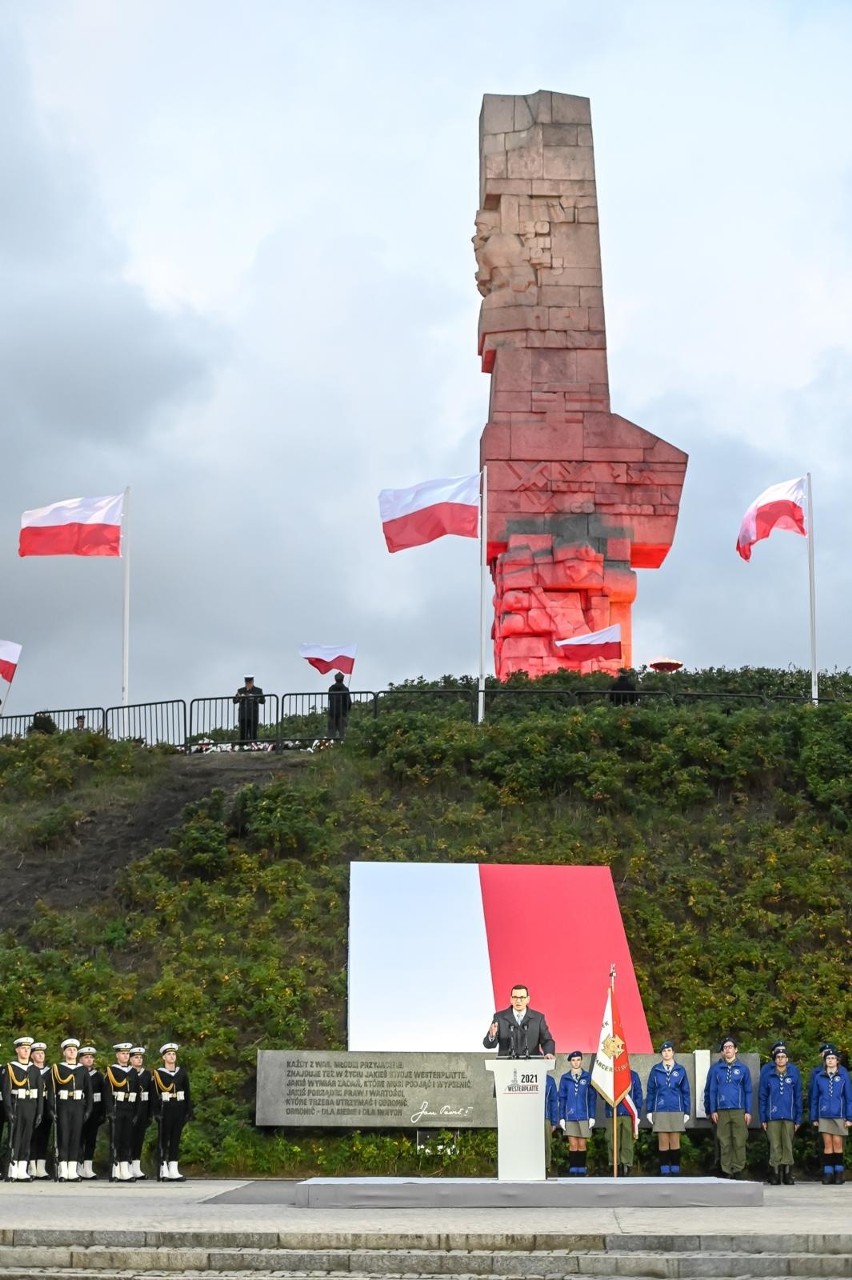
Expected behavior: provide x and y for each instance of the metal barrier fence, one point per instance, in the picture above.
(229, 720)
(298, 718)
(150, 723)
(81, 718)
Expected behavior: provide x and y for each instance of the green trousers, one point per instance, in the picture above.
(625, 1140)
(732, 1132)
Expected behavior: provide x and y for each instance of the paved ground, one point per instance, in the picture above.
(112, 1210)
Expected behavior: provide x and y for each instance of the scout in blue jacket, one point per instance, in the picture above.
(831, 1112)
(577, 1102)
(780, 1111)
(668, 1103)
(729, 1096)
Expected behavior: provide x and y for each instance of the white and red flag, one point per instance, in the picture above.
(415, 516)
(73, 527)
(611, 1072)
(781, 506)
(605, 643)
(10, 654)
(330, 657)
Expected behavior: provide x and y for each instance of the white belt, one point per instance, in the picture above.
(172, 1097)
(122, 1097)
(96, 1097)
(25, 1093)
(74, 1094)
(144, 1095)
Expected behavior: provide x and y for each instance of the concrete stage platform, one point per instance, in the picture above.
(489, 1193)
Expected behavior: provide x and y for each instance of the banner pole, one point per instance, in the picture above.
(483, 570)
(125, 647)
(614, 1104)
(812, 594)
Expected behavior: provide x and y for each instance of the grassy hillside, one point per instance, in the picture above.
(726, 825)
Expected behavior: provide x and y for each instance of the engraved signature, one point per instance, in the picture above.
(426, 1112)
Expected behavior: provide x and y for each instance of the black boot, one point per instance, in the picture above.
(838, 1176)
(774, 1178)
(827, 1173)
(623, 1170)
(787, 1176)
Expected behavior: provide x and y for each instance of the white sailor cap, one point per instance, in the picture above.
(37, 1044)
(126, 1045)
(87, 1048)
(28, 1040)
(137, 1048)
(70, 1043)
(164, 1048)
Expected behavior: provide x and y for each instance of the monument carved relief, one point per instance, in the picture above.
(579, 498)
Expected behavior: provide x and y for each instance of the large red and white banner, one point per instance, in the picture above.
(434, 950)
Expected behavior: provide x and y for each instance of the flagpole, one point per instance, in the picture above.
(614, 1103)
(483, 605)
(812, 594)
(125, 647)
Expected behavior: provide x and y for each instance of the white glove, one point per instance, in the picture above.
(686, 1119)
(562, 1125)
(591, 1124)
(650, 1117)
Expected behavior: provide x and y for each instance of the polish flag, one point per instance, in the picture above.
(594, 644)
(75, 527)
(781, 506)
(611, 1072)
(9, 655)
(330, 657)
(412, 517)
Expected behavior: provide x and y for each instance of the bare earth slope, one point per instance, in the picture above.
(108, 840)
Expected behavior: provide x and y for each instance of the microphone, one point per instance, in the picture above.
(526, 1046)
(513, 1038)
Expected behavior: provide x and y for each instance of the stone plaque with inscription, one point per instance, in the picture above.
(325, 1089)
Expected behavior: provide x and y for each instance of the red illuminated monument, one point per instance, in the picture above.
(578, 497)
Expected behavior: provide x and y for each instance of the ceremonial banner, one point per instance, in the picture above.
(594, 644)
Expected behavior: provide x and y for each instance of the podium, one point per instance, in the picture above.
(519, 1087)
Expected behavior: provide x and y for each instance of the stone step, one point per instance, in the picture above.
(49, 1262)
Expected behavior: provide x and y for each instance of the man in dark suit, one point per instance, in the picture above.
(520, 1032)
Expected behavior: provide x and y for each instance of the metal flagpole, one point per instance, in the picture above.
(125, 552)
(483, 595)
(812, 592)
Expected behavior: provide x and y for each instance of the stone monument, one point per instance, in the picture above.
(579, 498)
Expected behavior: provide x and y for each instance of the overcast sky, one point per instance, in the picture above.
(237, 276)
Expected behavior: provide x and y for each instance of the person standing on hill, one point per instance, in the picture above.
(249, 699)
(339, 706)
(172, 1109)
(89, 1140)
